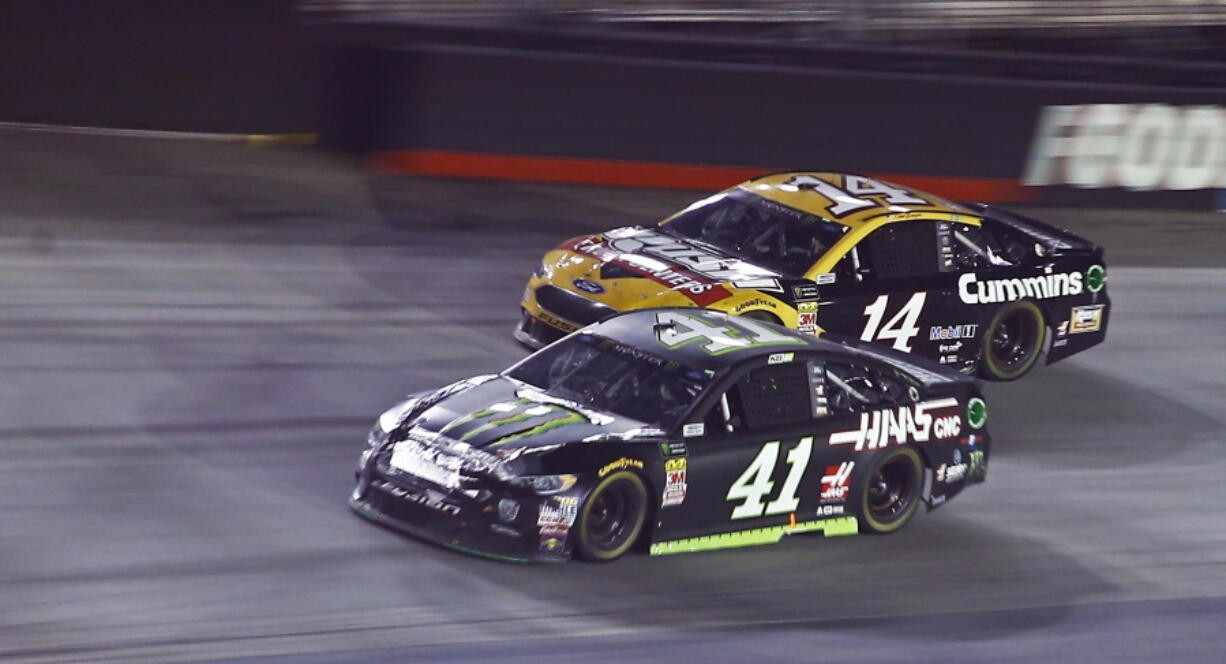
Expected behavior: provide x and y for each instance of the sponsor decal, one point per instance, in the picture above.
(1062, 328)
(1096, 278)
(780, 358)
(674, 482)
(948, 359)
(948, 474)
(673, 448)
(523, 417)
(836, 483)
(804, 291)
(854, 195)
(588, 286)
(978, 463)
(976, 413)
(553, 543)
(920, 423)
(1086, 319)
(1045, 286)
(550, 319)
(675, 329)
(620, 464)
(756, 302)
(806, 320)
(1059, 342)
(693, 429)
(824, 278)
(951, 332)
(950, 348)
(829, 510)
(957, 456)
(938, 500)
(687, 268)
(557, 515)
(430, 499)
(1135, 146)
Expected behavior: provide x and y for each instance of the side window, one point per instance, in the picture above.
(853, 387)
(977, 248)
(765, 397)
(894, 251)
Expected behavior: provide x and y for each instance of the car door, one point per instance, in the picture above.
(898, 287)
(747, 463)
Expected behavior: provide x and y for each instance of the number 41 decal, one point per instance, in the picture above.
(755, 483)
(901, 328)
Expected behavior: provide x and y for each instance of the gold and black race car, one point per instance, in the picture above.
(675, 430)
(970, 286)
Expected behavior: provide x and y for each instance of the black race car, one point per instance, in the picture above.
(676, 430)
(970, 286)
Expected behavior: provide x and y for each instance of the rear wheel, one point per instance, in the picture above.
(1012, 342)
(890, 494)
(612, 517)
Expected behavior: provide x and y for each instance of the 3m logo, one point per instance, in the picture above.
(837, 482)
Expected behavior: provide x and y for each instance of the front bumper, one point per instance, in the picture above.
(550, 312)
(534, 332)
(456, 520)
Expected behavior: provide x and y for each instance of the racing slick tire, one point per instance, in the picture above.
(1013, 341)
(890, 493)
(763, 315)
(612, 518)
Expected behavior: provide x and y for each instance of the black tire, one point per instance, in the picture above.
(1013, 341)
(889, 494)
(612, 518)
(763, 315)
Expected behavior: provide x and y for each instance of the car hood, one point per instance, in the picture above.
(663, 263)
(502, 414)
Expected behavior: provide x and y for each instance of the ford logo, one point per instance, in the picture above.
(588, 286)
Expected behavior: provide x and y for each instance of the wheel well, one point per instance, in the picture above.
(763, 315)
(643, 543)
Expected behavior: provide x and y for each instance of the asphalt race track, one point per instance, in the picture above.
(195, 337)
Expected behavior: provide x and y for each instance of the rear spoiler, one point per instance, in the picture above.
(1058, 239)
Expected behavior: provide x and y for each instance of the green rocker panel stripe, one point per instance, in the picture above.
(830, 527)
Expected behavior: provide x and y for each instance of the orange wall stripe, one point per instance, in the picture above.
(651, 174)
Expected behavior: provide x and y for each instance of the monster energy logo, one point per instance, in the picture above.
(535, 417)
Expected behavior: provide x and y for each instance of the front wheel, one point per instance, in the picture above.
(890, 493)
(612, 518)
(1012, 342)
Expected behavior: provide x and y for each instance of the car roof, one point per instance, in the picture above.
(779, 187)
(638, 330)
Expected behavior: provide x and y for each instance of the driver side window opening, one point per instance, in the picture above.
(900, 250)
(764, 397)
(976, 247)
(850, 387)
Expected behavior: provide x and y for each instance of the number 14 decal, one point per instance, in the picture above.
(901, 328)
(755, 483)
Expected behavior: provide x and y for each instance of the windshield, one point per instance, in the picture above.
(610, 376)
(758, 230)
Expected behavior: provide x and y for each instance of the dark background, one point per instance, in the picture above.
(256, 67)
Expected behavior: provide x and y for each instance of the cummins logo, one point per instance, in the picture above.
(1137, 146)
(973, 291)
